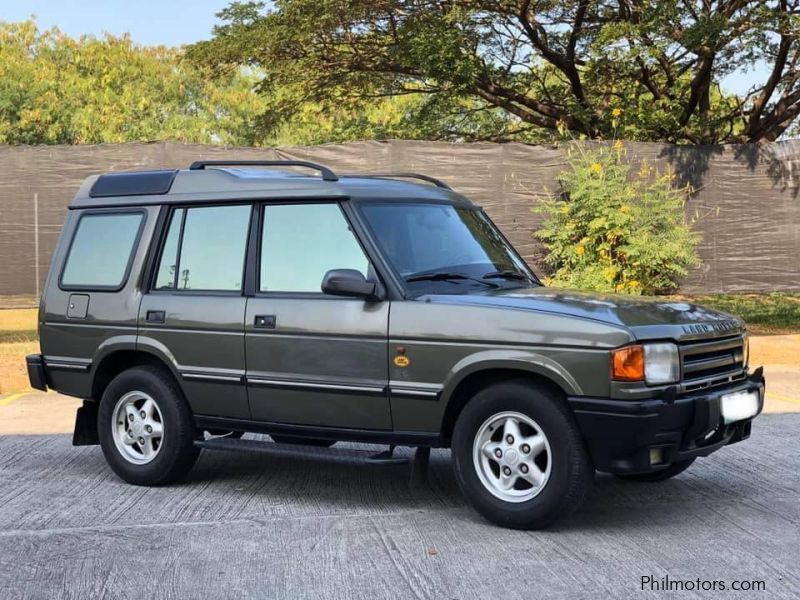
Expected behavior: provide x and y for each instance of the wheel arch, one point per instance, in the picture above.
(118, 360)
(477, 376)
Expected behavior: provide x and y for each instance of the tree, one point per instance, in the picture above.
(58, 90)
(550, 67)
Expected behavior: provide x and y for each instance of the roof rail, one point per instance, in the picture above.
(326, 173)
(433, 180)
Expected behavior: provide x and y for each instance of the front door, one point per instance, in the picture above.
(314, 359)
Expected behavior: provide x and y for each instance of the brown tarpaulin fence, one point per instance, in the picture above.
(749, 196)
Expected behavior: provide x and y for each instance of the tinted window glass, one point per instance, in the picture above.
(301, 242)
(168, 267)
(211, 256)
(101, 250)
(420, 239)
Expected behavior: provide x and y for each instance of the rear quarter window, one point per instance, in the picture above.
(100, 254)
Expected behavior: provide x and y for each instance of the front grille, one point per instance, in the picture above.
(705, 364)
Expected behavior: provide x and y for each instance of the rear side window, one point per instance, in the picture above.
(101, 251)
(204, 249)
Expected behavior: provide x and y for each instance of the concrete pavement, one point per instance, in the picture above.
(267, 524)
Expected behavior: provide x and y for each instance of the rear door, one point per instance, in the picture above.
(314, 359)
(193, 313)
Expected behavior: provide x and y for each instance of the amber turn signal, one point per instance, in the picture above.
(627, 364)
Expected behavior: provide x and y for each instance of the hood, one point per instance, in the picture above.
(647, 318)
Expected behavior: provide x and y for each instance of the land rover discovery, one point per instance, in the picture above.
(382, 308)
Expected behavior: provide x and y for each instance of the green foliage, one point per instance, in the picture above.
(616, 231)
(548, 69)
(58, 90)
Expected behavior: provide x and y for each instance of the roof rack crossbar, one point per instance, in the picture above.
(326, 173)
(429, 179)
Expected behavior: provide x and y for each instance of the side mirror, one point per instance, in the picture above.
(350, 283)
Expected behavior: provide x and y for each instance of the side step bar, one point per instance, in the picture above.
(419, 465)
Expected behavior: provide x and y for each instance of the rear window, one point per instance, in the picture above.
(101, 251)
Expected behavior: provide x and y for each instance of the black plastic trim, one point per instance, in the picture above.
(141, 183)
(374, 436)
(619, 433)
(153, 258)
(68, 366)
(36, 374)
(404, 175)
(327, 174)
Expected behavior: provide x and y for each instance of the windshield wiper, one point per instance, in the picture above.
(447, 276)
(507, 275)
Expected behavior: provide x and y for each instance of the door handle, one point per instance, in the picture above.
(265, 322)
(155, 316)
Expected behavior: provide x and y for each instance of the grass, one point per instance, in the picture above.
(18, 337)
(764, 313)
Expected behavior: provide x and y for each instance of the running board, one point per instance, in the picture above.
(369, 436)
(419, 465)
(340, 455)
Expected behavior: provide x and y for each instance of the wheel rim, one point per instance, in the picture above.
(512, 456)
(137, 427)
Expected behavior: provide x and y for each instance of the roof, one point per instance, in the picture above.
(241, 181)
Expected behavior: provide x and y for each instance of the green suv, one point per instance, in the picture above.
(380, 308)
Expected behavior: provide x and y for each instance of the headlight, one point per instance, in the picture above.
(652, 363)
(661, 363)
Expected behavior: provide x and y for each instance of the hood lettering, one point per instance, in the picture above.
(713, 327)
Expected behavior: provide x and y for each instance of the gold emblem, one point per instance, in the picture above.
(401, 361)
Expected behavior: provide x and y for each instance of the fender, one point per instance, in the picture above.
(522, 360)
(110, 346)
(152, 346)
(133, 343)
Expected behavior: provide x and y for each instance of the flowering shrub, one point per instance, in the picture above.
(616, 231)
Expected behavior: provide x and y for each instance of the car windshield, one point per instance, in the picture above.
(442, 248)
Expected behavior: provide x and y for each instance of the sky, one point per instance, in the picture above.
(170, 22)
(150, 22)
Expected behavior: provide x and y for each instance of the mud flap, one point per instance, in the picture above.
(85, 433)
(419, 467)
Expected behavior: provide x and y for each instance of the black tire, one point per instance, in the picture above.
(571, 470)
(661, 475)
(288, 439)
(176, 454)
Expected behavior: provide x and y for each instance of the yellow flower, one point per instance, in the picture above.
(625, 209)
(633, 284)
(618, 145)
(565, 209)
(580, 250)
(596, 168)
(616, 112)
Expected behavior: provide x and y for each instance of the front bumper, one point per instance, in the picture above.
(626, 436)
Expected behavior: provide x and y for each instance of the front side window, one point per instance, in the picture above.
(204, 249)
(446, 248)
(101, 250)
(302, 242)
